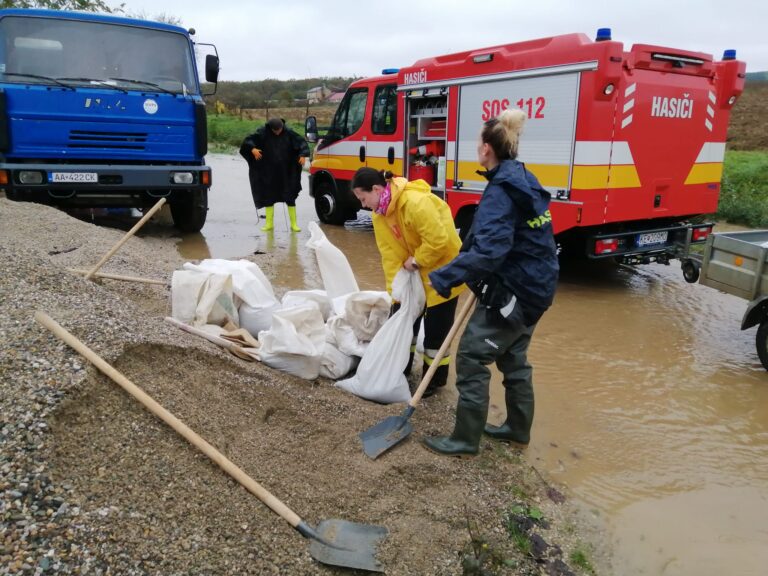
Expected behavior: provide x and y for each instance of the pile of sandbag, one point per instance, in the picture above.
(309, 333)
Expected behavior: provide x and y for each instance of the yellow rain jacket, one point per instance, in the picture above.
(418, 224)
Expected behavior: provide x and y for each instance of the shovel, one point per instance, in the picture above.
(393, 430)
(335, 542)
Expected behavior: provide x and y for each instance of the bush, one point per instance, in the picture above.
(744, 189)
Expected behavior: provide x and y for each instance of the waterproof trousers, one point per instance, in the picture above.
(490, 338)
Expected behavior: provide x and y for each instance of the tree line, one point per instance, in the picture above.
(272, 92)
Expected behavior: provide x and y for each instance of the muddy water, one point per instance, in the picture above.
(652, 406)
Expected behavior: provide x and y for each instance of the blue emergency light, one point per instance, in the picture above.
(729, 54)
(390, 70)
(603, 34)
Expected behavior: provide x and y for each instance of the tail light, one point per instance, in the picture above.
(606, 246)
(700, 234)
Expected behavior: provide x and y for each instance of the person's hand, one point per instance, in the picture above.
(410, 264)
(256, 153)
(301, 160)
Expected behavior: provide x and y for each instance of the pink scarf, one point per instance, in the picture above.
(384, 200)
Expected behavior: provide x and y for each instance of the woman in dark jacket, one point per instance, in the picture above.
(509, 260)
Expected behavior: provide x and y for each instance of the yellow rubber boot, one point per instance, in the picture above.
(270, 225)
(292, 216)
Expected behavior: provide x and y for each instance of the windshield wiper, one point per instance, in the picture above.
(143, 83)
(94, 81)
(38, 77)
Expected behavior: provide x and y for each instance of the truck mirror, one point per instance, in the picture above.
(310, 129)
(211, 68)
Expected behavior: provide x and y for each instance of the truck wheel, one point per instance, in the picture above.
(189, 210)
(330, 207)
(690, 271)
(761, 341)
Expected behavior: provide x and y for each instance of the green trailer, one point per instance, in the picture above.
(735, 263)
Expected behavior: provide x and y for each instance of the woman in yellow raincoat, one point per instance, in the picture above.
(414, 230)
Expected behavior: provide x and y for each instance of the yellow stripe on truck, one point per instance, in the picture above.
(337, 163)
(596, 177)
(554, 175)
(705, 173)
(383, 164)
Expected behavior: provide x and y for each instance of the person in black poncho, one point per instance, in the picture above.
(275, 156)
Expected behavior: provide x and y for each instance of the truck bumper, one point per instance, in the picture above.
(100, 184)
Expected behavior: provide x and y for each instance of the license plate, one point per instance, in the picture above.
(651, 238)
(74, 177)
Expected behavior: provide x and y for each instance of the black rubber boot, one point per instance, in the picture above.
(439, 379)
(505, 433)
(409, 365)
(465, 440)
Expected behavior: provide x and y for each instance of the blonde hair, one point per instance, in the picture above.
(502, 133)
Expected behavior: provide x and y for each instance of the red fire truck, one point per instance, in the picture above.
(629, 143)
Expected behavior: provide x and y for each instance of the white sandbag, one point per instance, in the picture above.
(334, 364)
(341, 335)
(199, 298)
(366, 312)
(249, 283)
(380, 375)
(298, 297)
(295, 342)
(256, 320)
(335, 270)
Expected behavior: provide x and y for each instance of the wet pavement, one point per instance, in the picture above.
(652, 406)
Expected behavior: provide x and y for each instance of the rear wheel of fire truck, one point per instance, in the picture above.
(331, 208)
(189, 210)
(690, 271)
(761, 341)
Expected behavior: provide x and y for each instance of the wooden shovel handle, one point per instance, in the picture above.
(125, 238)
(150, 404)
(218, 340)
(463, 313)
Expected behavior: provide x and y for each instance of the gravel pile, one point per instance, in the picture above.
(92, 483)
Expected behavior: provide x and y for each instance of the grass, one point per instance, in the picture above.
(744, 191)
(580, 557)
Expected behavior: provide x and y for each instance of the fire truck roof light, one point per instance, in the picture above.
(603, 34)
(482, 58)
(390, 71)
(729, 54)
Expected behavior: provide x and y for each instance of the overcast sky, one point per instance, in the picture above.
(285, 39)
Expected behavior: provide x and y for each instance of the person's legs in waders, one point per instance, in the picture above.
(518, 392)
(438, 321)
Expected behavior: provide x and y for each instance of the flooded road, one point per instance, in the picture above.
(652, 406)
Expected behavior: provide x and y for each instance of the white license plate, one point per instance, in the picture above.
(74, 177)
(651, 238)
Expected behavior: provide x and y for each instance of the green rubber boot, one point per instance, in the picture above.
(292, 216)
(505, 433)
(465, 440)
(270, 225)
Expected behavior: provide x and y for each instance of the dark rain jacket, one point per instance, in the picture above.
(277, 176)
(510, 246)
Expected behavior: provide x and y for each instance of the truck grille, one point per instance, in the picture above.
(119, 140)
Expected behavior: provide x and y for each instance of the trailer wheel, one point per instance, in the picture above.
(690, 271)
(761, 341)
(189, 210)
(331, 208)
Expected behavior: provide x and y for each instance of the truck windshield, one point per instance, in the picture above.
(37, 50)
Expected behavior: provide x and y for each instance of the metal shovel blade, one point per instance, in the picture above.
(348, 544)
(386, 434)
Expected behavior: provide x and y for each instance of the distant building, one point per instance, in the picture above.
(335, 97)
(317, 94)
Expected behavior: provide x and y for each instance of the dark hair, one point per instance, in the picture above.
(275, 123)
(366, 178)
(502, 133)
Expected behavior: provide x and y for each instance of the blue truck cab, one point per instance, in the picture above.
(102, 111)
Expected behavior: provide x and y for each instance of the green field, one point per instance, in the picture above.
(744, 193)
